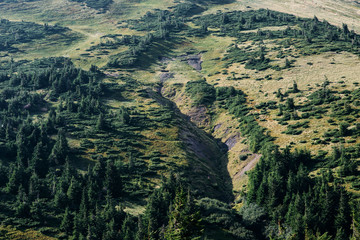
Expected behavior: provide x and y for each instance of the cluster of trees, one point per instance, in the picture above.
(232, 100)
(301, 206)
(32, 163)
(86, 206)
(340, 106)
(201, 92)
(165, 20)
(235, 103)
(12, 32)
(247, 20)
(79, 90)
(131, 57)
(232, 23)
(162, 24)
(310, 36)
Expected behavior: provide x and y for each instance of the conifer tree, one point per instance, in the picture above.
(22, 208)
(66, 223)
(38, 162)
(343, 219)
(290, 105)
(100, 123)
(140, 233)
(60, 150)
(15, 178)
(74, 193)
(295, 88)
(184, 220)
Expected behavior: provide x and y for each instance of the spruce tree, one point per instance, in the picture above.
(184, 220)
(343, 217)
(66, 223)
(295, 88)
(22, 208)
(60, 150)
(100, 123)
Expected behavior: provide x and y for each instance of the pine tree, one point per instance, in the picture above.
(15, 178)
(131, 162)
(100, 123)
(74, 193)
(22, 153)
(340, 234)
(140, 233)
(281, 110)
(295, 88)
(343, 218)
(126, 233)
(355, 226)
(66, 223)
(76, 227)
(60, 198)
(90, 233)
(38, 162)
(98, 223)
(36, 212)
(290, 105)
(34, 186)
(184, 220)
(287, 63)
(110, 232)
(112, 181)
(344, 129)
(22, 208)
(124, 115)
(60, 150)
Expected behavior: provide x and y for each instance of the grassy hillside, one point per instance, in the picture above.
(143, 119)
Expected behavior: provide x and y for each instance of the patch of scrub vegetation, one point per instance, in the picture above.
(201, 92)
(9, 232)
(162, 26)
(308, 36)
(12, 33)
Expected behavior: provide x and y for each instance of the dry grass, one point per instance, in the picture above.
(335, 12)
(9, 232)
(133, 209)
(336, 67)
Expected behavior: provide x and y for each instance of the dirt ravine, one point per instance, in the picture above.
(207, 156)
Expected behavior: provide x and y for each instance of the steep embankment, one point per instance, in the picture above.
(207, 157)
(214, 120)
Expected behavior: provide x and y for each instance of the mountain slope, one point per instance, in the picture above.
(179, 119)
